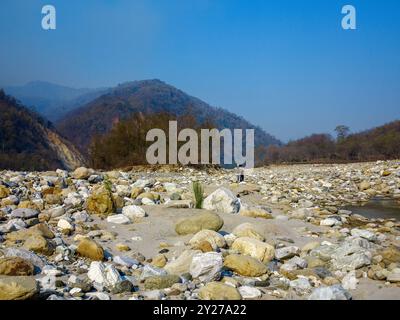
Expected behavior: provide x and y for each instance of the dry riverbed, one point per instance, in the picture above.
(135, 235)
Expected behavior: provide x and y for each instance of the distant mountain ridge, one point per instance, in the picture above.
(147, 96)
(29, 142)
(51, 100)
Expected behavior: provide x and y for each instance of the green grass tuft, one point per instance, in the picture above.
(198, 192)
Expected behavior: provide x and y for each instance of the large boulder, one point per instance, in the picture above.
(198, 222)
(222, 200)
(245, 265)
(15, 266)
(219, 291)
(254, 248)
(17, 287)
(90, 249)
(100, 202)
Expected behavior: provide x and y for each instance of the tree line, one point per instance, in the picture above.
(380, 143)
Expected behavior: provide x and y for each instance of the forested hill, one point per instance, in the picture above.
(147, 97)
(380, 143)
(29, 142)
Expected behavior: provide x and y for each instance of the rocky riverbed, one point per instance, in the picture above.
(280, 234)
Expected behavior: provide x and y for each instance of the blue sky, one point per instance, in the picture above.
(285, 65)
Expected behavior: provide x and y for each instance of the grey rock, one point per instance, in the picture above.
(335, 292)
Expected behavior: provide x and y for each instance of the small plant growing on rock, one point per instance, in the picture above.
(198, 192)
(107, 184)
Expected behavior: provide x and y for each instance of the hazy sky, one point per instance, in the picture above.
(285, 65)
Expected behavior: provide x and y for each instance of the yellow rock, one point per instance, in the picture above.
(15, 266)
(149, 195)
(26, 205)
(40, 229)
(17, 288)
(215, 239)
(219, 291)
(199, 221)
(4, 192)
(90, 249)
(254, 248)
(136, 191)
(122, 247)
(204, 246)
(245, 265)
(247, 230)
(159, 261)
(100, 202)
(38, 244)
(255, 213)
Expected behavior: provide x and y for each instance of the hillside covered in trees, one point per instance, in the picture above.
(125, 144)
(29, 142)
(147, 97)
(380, 143)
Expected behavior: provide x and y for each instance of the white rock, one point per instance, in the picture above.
(222, 200)
(153, 295)
(125, 261)
(81, 216)
(248, 292)
(349, 281)
(76, 292)
(149, 271)
(286, 252)
(64, 225)
(329, 222)
(133, 212)
(230, 238)
(147, 202)
(57, 212)
(143, 183)
(206, 266)
(335, 292)
(123, 190)
(170, 187)
(182, 263)
(104, 274)
(118, 219)
(370, 236)
(48, 282)
(24, 213)
(98, 295)
(301, 285)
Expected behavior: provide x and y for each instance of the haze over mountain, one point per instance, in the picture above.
(51, 100)
(148, 96)
(29, 142)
